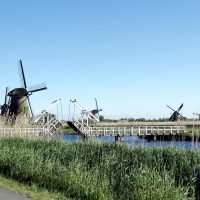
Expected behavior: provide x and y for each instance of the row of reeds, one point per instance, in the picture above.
(102, 171)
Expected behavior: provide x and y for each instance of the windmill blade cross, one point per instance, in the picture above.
(31, 110)
(96, 104)
(195, 114)
(37, 88)
(170, 108)
(180, 107)
(6, 95)
(22, 75)
(181, 115)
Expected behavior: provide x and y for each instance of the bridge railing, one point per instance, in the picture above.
(137, 130)
(30, 133)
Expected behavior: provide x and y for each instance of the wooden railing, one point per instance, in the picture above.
(136, 130)
(31, 133)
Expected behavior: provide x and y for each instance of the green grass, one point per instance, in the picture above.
(66, 130)
(102, 171)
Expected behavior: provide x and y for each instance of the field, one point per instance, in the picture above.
(102, 171)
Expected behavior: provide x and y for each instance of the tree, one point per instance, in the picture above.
(101, 118)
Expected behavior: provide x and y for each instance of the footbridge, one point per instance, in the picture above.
(85, 123)
(44, 124)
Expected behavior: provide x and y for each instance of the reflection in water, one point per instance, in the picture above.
(135, 141)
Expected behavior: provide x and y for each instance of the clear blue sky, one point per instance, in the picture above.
(135, 57)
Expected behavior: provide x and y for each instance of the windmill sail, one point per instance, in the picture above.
(4, 107)
(37, 87)
(22, 75)
(30, 107)
(96, 111)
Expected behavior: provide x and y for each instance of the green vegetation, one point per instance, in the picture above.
(193, 131)
(102, 171)
(65, 130)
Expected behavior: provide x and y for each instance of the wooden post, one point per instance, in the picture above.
(119, 131)
(154, 137)
(118, 138)
(178, 130)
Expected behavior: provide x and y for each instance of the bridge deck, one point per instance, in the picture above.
(88, 131)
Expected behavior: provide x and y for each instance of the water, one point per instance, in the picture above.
(135, 141)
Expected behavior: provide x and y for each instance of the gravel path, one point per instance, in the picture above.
(8, 195)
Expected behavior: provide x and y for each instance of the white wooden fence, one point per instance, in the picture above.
(134, 130)
(30, 133)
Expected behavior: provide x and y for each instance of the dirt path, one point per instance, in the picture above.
(8, 195)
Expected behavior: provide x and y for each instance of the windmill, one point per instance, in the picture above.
(4, 107)
(176, 113)
(96, 111)
(197, 115)
(19, 102)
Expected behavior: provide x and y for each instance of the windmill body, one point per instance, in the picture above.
(174, 116)
(18, 101)
(19, 105)
(4, 108)
(18, 92)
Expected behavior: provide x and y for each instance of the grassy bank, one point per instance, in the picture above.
(102, 171)
(66, 130)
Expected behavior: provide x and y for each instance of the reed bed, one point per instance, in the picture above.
(91, 170)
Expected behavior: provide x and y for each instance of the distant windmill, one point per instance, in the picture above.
(96, 111)
(4, 107)
(176, 113)
(197, 115)
(19, 102)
